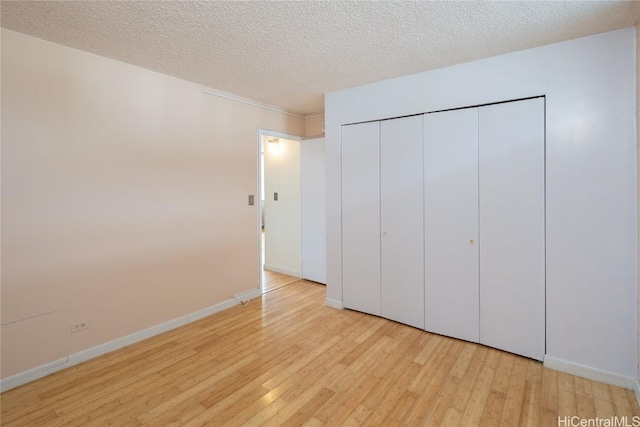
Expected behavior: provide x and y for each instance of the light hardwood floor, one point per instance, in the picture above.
(272, 280)
(286, 359)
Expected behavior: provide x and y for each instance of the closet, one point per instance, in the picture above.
(452, 267)
(361, 217)
(382, 200)
(484, 225)
(443, 216)
(512, 227)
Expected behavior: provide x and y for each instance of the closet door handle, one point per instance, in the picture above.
(471, 241)
(384, 233)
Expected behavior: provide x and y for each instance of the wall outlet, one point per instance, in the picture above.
(79, 326)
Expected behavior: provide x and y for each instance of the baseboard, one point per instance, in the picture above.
(282, 271)
(243, 297)
(591, 373)
(33, 374)
(93, 352)
(334, 303)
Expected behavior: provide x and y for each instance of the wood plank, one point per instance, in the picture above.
(345, 402)
(310, 407)
(621, 404)
(396, 397)
(567, 406)
(401, 409)
(585, 405)
(252, 410)
(498, 394)
(515, 393)
(479, 395)
(633, 402)
(467, 383)
(358, 416)
(437, 378)
(193, 391)
(530, 412)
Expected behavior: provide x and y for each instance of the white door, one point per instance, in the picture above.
(314, 224)
(401, 210)
(361, 217)
(451, 223)
(512, 227)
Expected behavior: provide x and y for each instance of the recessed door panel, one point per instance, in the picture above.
(451, 223)
(402, 241)
(512, 234)
(361, 217)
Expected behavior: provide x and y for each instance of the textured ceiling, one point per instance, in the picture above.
(289, 54)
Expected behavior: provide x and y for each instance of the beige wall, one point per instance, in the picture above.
(313, 126)
(124, 197)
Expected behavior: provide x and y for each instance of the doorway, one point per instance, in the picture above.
(279, 209)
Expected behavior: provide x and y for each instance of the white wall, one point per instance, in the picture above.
(282, 217)
(314, 208)
(589, 84)
(124, 199)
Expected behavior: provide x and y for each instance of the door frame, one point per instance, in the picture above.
(261, 133)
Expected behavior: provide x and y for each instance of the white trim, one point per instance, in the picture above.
(245, 296)
(260, 206)
(306, 138)
(90, 353)
(334, 303)
(259, 105)
(591, 373)
(33, 374)
(283, 271)
(273, 133)
(266, 133)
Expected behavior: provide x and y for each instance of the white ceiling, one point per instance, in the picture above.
(289, 54)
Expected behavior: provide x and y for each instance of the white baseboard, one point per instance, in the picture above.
(248, 295)
(283, 271)
(591, 373)
(334, 303)
(33, 374)
(90, 353)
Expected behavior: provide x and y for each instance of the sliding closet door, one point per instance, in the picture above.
(361, 217)
(402, 239)
(451, 223)
(512, 245)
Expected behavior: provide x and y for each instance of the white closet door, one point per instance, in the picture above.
(314, 211)
(401, 165)
(361, 217)
(512, 245)
(451, 223)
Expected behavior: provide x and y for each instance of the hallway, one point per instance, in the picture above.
(270, 279)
